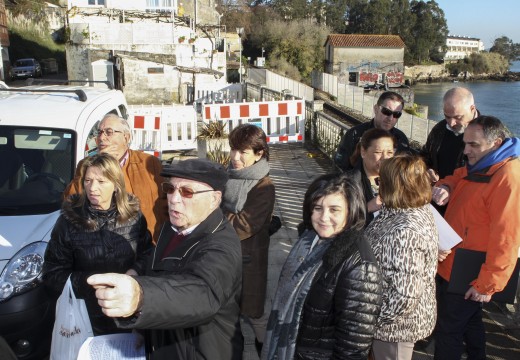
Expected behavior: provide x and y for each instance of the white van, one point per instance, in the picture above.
(44, 133)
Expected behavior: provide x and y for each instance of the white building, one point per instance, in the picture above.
(149, 5)
(145, 47)
(459, 47)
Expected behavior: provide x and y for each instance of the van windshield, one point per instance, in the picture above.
(37, 165)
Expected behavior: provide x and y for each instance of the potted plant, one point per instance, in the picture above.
(181, 39)
(212, 142)
(192, 40)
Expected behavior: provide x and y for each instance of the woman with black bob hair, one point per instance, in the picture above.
(329, 292)
(248, 203)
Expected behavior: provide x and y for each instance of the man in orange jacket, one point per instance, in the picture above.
(483, 209)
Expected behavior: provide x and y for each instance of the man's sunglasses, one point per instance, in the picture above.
(184, 191)
(388, 112)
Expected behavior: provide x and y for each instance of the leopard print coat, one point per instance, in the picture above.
(405, 243)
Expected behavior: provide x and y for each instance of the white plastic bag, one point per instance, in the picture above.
(71, 327)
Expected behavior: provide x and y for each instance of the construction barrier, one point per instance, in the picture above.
(165, 128)
(282, 121)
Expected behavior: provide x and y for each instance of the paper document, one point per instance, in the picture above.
(448, 238)
(112, 347)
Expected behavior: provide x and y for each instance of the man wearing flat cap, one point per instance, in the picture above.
(188, 301)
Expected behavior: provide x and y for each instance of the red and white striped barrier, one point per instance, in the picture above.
(147, 134)
(282, 121)
(163, 128)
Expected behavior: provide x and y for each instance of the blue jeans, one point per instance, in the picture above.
(459, 321)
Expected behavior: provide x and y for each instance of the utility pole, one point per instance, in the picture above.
(239, 32)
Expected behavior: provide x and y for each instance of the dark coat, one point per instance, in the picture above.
(86, 241)
(342, 306)
(349, 141)
(433, 144)
(359, 174)
(252, 227)
(191, 298)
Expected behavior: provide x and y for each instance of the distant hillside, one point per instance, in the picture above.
(31, 38)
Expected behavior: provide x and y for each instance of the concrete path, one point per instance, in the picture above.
(293, 167)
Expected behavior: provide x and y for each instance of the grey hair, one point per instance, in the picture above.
(492, 128)
(123, 122)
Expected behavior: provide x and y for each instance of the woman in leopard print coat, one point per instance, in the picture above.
(405, 242)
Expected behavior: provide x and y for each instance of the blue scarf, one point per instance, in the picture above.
(510, 147)
(293, 286)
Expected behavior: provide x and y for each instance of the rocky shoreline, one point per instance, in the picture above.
(508, 77)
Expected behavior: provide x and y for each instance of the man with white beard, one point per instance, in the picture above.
(444, 147)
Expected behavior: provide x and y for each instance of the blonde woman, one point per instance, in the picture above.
(405, 242)
(100, 230)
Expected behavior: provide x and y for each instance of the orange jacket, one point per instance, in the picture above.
(487, 217)
(142, 178)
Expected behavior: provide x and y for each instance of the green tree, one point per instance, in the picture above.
(505, 47)
(481, 63)
(430, 30)
(292, 9)
(336, 15)
(488, 63)
(401, 22)
(292, 44)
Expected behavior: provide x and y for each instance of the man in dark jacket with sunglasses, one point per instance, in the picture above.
(188, 302)
(387, 111)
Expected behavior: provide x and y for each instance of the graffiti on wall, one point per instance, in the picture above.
(364, 64)
(366, 78)
(391, 78)
(394, 78)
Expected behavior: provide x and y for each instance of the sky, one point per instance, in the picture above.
(483, 19)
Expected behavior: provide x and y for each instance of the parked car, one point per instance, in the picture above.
(24, 68)
(44, 132)
(49, 66)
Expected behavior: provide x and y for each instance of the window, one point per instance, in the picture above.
(96, 2)
(159, 5)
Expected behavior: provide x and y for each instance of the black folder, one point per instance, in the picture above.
(466, 267)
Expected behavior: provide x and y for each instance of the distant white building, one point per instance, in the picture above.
(459, 47)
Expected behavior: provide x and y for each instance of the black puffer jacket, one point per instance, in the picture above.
(86, 241)
(343, 304)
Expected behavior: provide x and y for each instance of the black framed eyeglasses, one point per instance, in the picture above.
(184, 191)
(108, 132)
(387, 112)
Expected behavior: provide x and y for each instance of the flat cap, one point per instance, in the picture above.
(202, 170)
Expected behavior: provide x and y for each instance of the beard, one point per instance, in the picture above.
(457, 131)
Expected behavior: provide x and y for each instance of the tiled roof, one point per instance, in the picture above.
(365, 41)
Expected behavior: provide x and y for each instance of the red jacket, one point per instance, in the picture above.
(487, 217)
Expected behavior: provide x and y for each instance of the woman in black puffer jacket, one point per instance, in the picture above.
(100, 230)
(329, 292)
